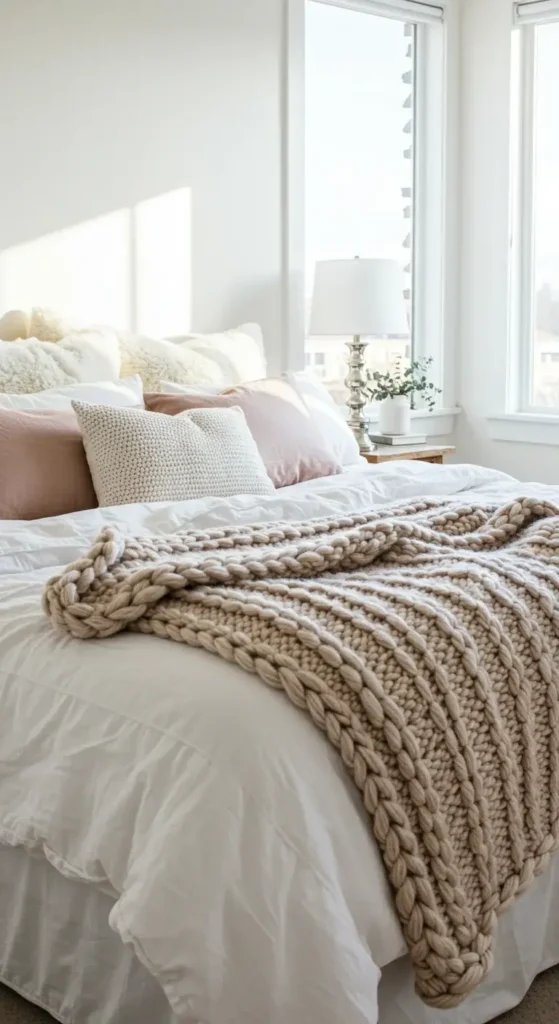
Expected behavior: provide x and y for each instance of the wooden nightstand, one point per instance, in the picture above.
(423, 452)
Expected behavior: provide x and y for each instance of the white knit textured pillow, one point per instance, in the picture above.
(138, 456)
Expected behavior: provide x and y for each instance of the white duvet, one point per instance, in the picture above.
(241, 862)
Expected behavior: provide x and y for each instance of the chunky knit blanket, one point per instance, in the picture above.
(424, 642)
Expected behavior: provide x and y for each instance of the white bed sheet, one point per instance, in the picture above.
(234, 846)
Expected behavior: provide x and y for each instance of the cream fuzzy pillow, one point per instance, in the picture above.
(155, 360)
(238, 354)
(13, 325)
(42, 324)
(31, 365)
(150, 358)
(223, 360)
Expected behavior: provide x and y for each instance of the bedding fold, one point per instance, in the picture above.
(422, 641)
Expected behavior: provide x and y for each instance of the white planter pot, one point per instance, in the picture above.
(394, 417)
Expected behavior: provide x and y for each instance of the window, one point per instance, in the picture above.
(363, 77)
(359, 157)
(535, 292)
(316, 361)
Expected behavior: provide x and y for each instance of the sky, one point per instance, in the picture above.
(355, 139)
(547, 156)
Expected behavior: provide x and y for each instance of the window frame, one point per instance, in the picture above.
(520, 382)
(536, 12)
(430, 198)
(401, 10)
(522, 284)
(434, 271)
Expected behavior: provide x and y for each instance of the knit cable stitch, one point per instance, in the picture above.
(423, 641)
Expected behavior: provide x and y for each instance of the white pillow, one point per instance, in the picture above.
(31, 365)
(170, 388)
(137, 456)
(328, 418)
(238, 354)
(125, 392)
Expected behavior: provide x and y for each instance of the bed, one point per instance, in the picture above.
(174, 837)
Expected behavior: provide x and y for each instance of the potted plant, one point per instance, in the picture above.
(394, 389)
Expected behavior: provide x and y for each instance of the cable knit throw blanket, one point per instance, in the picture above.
(424, 641)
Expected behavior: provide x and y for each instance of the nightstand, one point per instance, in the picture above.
(422, 452)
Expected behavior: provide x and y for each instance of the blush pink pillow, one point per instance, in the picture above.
(289, 441)
(43, 468)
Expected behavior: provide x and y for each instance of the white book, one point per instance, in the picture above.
(398, 439)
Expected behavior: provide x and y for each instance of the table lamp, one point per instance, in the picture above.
(358, 297)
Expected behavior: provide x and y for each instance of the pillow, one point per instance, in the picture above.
(288, 439)
(155, 359)
(328, 417)
(170, 388)
(221, 359)
(13, 325)
(135, 456)
(31, 365)
(126, 392)
(42, 324)
(238, 354)
(43, 468)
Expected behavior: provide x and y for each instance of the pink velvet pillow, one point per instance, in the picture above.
(43, 468)
(290, 442)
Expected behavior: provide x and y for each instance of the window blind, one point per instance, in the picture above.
(536, 12)
(403, 10)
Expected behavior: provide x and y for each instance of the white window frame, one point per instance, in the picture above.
(429, 255)
(528, 15)
(536, 12)
(435, 191)
(425, 11)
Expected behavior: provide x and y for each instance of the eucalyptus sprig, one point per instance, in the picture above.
(412, 380)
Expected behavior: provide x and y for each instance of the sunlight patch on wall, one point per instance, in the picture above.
(82, 271)
(130, 268)
(163, 278)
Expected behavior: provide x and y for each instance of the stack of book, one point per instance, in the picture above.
(406, 440)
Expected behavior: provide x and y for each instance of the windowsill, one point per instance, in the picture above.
(438, 423)
(525, 427)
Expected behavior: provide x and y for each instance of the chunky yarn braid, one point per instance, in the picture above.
(423, 640)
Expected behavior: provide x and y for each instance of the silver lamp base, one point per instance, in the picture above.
(355, 383)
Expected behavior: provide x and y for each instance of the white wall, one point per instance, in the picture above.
(141, 144)
(151, 176)
(486, 27)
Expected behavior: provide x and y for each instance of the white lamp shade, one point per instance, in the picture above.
(358, 297)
